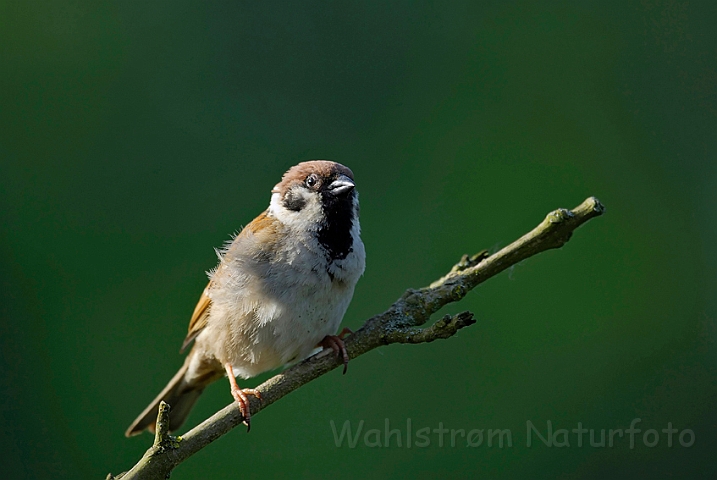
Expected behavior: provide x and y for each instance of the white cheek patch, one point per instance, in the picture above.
(306, 219)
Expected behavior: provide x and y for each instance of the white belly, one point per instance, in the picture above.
(257, 328)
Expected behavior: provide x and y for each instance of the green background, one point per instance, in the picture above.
(136, 137)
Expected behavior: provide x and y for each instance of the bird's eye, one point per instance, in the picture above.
(312, 180)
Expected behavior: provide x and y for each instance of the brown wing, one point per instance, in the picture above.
(199, 317)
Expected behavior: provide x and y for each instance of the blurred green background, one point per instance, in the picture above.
(136, 137)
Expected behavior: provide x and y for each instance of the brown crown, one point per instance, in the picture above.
(325, 169)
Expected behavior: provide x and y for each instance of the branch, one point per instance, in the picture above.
(399, 324)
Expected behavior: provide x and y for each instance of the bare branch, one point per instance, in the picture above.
(399, 324)
(161, 437)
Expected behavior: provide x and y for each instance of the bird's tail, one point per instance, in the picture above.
(181, 393)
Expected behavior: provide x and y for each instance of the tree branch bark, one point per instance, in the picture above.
(399, 324)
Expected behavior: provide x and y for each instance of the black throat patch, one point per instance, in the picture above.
(334, 234)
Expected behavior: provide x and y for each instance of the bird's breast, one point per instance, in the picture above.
(267, 314)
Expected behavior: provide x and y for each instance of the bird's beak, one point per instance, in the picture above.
(341, 185)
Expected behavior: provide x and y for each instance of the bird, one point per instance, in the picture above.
(278, 293)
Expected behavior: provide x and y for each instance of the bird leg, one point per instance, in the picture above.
(336, 343)
(241, 395)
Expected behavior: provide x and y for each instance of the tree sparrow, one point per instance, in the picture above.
(279, 292)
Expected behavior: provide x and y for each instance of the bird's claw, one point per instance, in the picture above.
(240, 395)
(336, 343)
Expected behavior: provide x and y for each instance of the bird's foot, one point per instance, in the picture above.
(240, 395)
(336, 343)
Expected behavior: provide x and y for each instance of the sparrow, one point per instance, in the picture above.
(278, 294)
